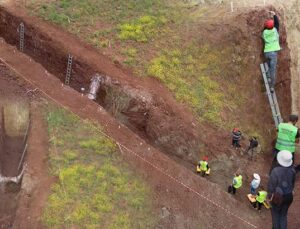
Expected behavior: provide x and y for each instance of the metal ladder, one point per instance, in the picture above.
(21, 32)
(69, 69)
(271, 96)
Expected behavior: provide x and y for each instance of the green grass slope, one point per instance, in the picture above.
(95, 188)
(156, 39)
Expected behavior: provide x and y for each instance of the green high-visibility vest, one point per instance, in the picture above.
(271, 38)
(261, 197)
(286, 137)
(239, 181)
(203, 165)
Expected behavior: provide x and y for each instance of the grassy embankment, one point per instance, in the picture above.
(155, 38)
(95, 188)
(160, 39)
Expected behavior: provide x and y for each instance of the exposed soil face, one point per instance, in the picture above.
(11, 149)
(143, 104)
(12, 146)
(283, 69)
(149, 110)
(36, 185)
(21, 205)
(292, 9)
(291, 14)
(11, 155)
(179, 196)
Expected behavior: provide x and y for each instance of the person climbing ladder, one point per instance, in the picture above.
(270, 36)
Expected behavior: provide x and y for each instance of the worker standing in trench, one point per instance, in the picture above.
(287, 137)
(270, 36)
(237, 183)
(280, 189)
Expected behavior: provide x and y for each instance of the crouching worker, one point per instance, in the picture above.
(259, 200)
(236, 183)
(203, 167)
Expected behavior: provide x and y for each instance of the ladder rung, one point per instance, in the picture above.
(271, 96)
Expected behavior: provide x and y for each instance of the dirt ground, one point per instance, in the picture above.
(153, 113)
(184, 196)
(10, 149)
(36, 182)
(176, 188)
(22, 206)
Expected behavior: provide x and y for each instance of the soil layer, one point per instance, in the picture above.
(142, 104)
(177, 189)
(153, 114)
(11, 149)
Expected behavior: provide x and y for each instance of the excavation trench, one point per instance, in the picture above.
(148, 112)
(14, 120)
(148, 116)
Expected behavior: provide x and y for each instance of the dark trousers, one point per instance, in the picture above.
(259, 205)
(236, 143)
(231, 189)
(272, 62)
(279, 213)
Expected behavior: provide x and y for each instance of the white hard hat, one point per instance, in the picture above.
(256, 176)
(285, 158)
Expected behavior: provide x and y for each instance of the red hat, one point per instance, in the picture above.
(235, 129)
(205, 158)
(269, 24)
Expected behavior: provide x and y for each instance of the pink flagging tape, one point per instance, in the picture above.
(136, 154)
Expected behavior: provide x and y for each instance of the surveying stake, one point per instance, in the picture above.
(21, 32)
(69, 69)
